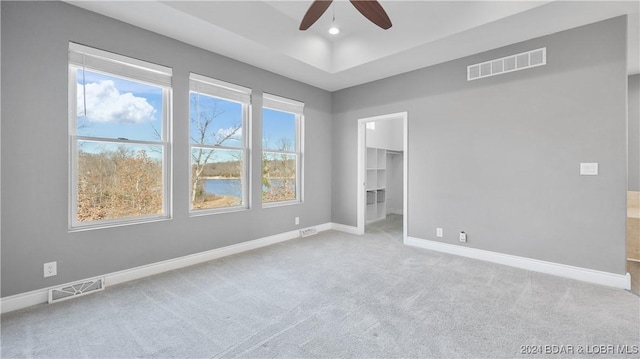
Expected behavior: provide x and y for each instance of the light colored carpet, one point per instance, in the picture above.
(391, 227)
(330, 295)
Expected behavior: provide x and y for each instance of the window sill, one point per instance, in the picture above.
(117, 223)
(280, 204)
(214, 211)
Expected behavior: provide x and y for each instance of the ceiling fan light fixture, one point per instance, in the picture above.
(370, 9)
(334, 30)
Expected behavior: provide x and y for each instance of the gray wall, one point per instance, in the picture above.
(499, 157)
(634, 133)
(35, 37)
(388, 134)
(395, 183)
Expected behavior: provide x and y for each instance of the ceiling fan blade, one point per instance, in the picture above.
(314, 12)
(373, 11)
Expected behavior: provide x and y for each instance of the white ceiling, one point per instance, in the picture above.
(265, 33)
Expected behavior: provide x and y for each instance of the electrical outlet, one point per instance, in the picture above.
(297, 220)
(50, 269)
(439, 232)
(463, 237)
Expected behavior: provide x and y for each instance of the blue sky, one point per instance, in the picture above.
(227, 116)
(277, 125)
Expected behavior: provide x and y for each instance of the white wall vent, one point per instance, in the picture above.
(308, 231)
(74, 290)
(525, 60)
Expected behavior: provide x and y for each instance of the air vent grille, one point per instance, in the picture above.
(308, 231)
(74, 290)
(525, 60)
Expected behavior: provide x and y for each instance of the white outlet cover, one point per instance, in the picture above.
(589, 169)
(439, 232)
(50, 269)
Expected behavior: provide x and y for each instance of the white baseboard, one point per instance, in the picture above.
(562, 270)
(344, 228)
(38, 296)
(324, 227)
(23, 300)
(189, 260)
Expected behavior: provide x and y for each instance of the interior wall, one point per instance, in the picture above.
(395, 183)
(387, 134)
(634, 133)
(35, 179)
(499, 157)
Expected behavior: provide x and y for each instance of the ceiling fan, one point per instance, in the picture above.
(371, 9)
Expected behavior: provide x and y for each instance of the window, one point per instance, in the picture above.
(119, 111)
(219, 122)
(282, 122)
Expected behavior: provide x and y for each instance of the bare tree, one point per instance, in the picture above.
(118, 183)
(202, 121)
(279, 166)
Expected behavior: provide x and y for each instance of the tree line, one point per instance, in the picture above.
(125, 183)
(117, 184)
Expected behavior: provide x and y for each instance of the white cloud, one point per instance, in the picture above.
(225, 132)
(105, 103)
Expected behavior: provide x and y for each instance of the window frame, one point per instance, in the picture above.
(225, 91)
(110, 64)
(283, 104)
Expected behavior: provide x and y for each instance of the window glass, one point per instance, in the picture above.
(218, 145)
(117, 108)
(279, 176)
(215, 121)
(119, 145)
(119, 181)
(281, 155)
(217, 176)
(278, 130)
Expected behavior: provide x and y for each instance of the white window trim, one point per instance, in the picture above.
(218, 88)
(234, 93)
(107, 62)
(283, 104)
(120, 66)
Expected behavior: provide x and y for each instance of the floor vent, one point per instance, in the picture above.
(517, 62)
(308, 232)
(74, 290)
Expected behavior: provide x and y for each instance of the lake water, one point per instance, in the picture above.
(223, 187)
(229, 187)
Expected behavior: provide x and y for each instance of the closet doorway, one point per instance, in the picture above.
(382, 171)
